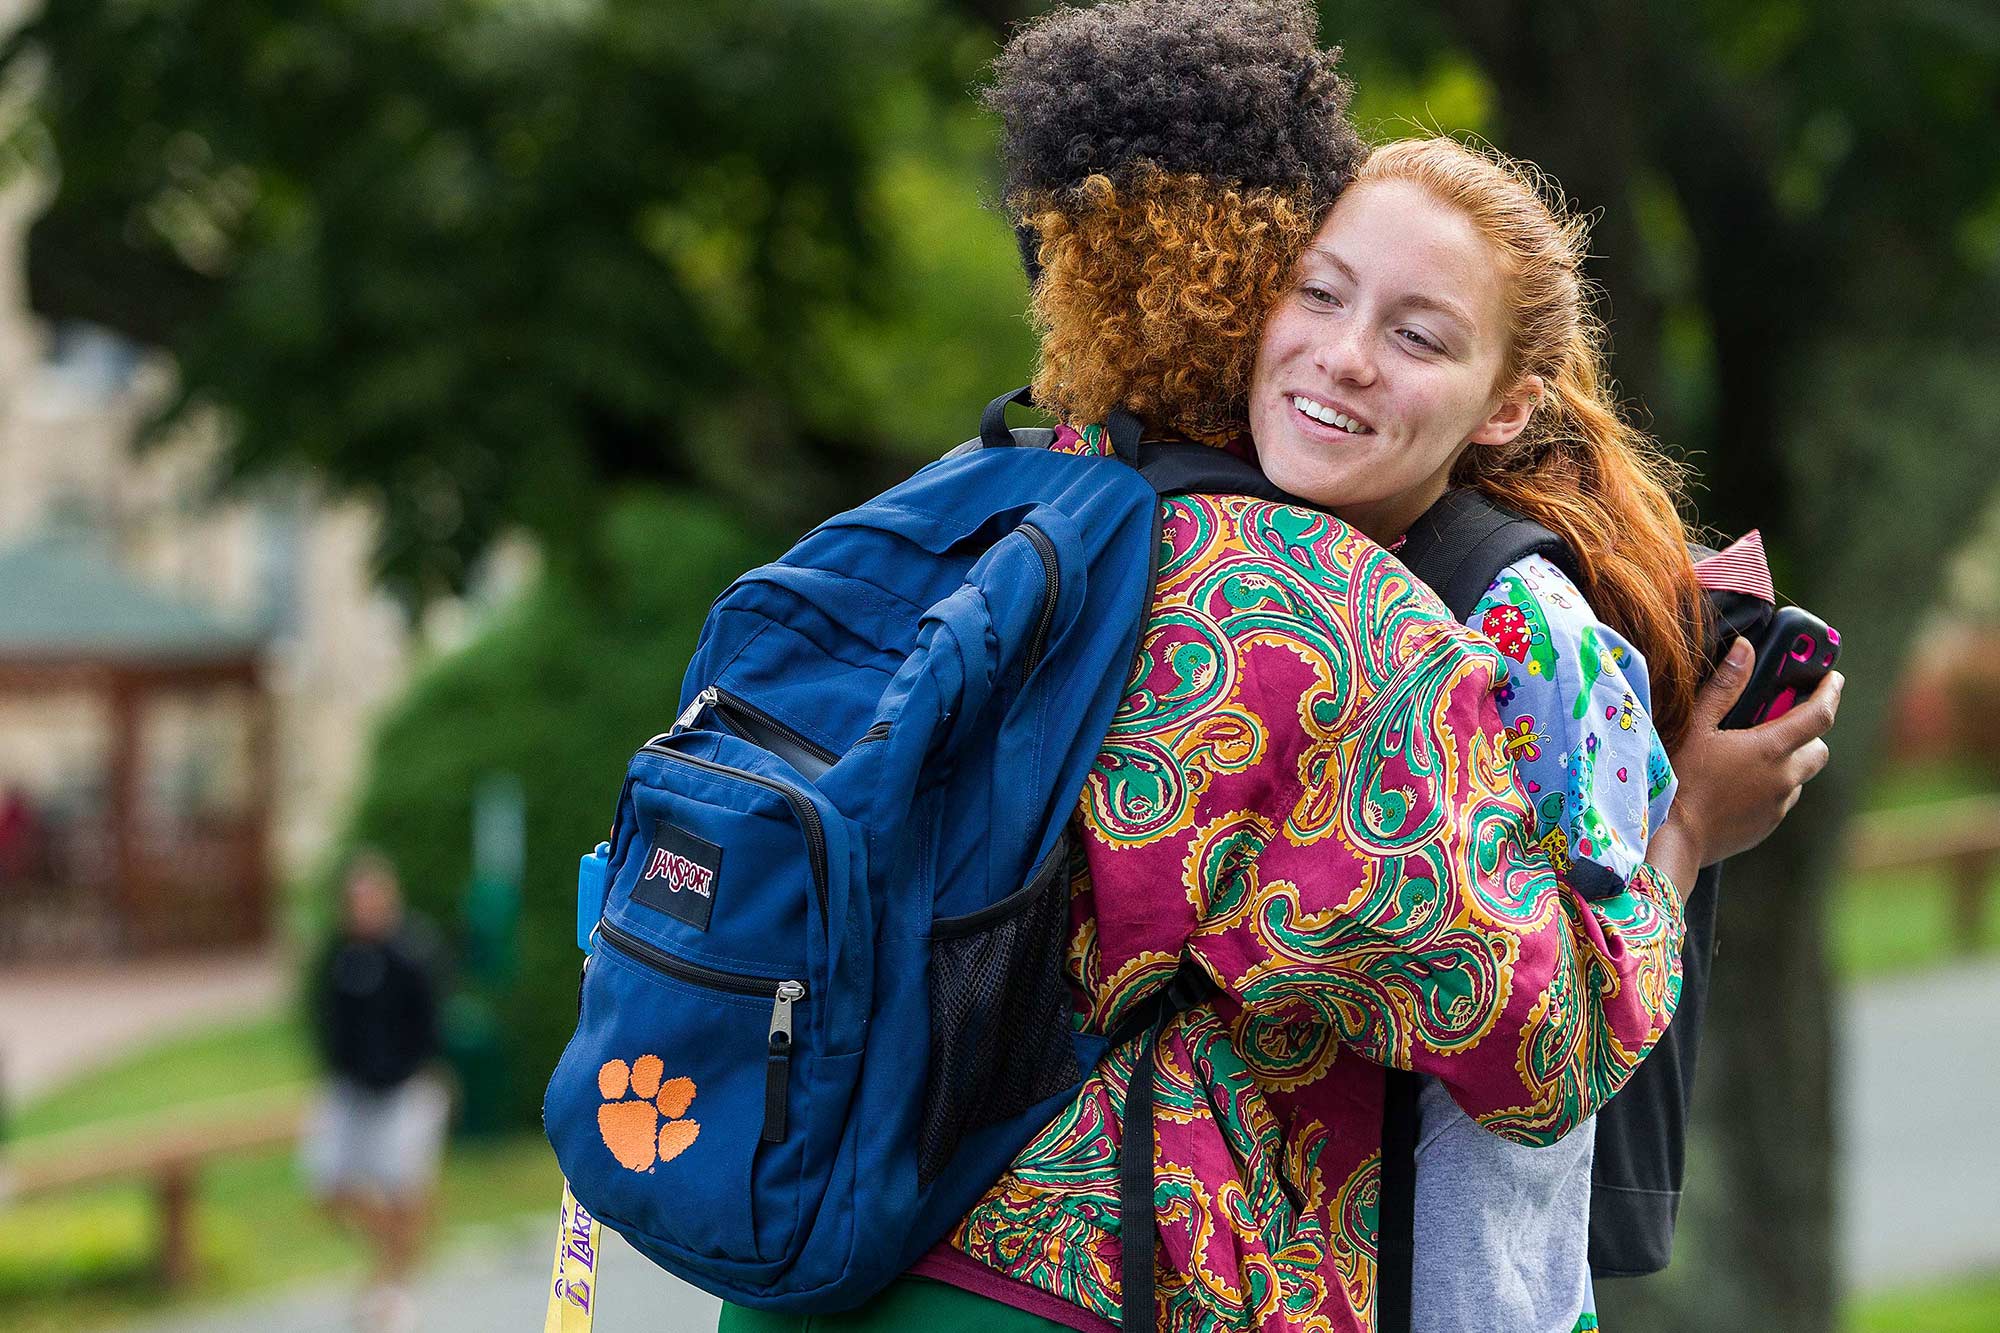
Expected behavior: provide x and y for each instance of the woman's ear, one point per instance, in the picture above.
(1512, 414)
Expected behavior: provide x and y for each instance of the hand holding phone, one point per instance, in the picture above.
(1734, 790)
(1795, 650)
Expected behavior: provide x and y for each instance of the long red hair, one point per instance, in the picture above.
(1579, 469)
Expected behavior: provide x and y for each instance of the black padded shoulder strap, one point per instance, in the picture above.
(1396, 1203)
(1461, 543)
(1183, 467)
(1189, 987)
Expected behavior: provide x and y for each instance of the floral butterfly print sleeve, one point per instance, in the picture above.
(1579, 727)
(1574, 708)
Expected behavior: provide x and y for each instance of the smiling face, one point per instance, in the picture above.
(1380, 364)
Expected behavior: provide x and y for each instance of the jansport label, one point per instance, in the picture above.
(680, 875)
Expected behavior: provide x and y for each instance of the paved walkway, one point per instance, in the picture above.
(1919, 1158)
(56, 1022)
(1918, 1088)
(494, 1287)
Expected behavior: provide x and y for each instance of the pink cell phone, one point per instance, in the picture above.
(1795, 650)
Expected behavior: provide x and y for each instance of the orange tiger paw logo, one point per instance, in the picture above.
(645, 1128)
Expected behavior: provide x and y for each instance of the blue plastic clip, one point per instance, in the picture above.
(593, 879)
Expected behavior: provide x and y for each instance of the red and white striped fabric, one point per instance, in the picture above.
(1739, 567)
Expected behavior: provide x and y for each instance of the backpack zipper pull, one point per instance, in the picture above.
(778, 1064)
(706, 699)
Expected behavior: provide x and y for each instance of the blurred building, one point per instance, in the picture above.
(284, 567)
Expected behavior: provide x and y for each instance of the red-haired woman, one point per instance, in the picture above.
(1438, 331)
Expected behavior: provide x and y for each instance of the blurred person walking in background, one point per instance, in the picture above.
(371, 1148)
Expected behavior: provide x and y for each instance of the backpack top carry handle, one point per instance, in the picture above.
(1172, 467)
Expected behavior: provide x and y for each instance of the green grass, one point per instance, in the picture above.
(259, 1056)
(78, 1259)
(1967, 1306)
(1896, 922)
(1903, 788)
(71, 1261)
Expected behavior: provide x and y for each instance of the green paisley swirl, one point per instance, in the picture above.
(1187, 531)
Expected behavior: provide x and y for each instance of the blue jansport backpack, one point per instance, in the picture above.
(825, 1003)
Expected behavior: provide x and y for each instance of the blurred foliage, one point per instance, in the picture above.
(1973, 593)
(482, 262)
(558, 691)
(58, 1254)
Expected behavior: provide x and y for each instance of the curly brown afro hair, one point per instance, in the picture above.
(1166, 161)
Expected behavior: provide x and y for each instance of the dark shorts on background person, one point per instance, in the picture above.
(907, 1305)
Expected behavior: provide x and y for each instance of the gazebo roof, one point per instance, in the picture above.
(62, 600)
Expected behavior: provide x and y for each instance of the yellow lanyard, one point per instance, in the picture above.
(573, 1285)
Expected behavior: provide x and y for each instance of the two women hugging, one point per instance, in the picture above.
(1213, 249)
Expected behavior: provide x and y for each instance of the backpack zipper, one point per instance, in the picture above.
(706, 698)
(807, 812)
(1052, 580)
(778, 1059)
(784, 994)
(747, 719)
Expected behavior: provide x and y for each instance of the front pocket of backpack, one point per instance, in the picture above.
(1001, 1013)
(676, 1110)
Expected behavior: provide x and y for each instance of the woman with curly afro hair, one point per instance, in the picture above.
(1304, 808)
(1166, 162)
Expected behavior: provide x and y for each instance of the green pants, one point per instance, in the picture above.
(907, 1305)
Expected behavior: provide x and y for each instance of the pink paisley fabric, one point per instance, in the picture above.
(1307, 790)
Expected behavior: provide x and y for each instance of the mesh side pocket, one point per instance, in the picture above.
(1000, 1013)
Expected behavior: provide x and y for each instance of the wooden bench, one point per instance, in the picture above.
(168, 1149)
(1960, 837)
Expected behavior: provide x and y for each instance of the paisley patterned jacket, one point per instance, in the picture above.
(1307, 791)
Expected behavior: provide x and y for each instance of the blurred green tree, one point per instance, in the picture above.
(486, 262)
(518, 268)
